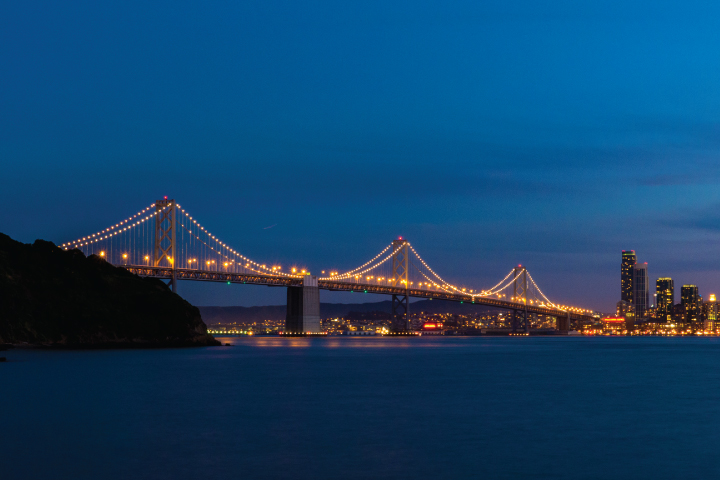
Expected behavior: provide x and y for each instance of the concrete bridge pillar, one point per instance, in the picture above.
(563, 324)
(303, 307)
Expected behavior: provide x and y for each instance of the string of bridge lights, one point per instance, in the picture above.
(237, 254)
(446, 286)
(441, 287)
(346, 275)
(483, 293)
(350, 272)
(357, 272)
(497, 292)
(107, 230)
(133, 221)
(493, 290)
(246, 266)
(540, 291)
(452, 287)
(560, 307)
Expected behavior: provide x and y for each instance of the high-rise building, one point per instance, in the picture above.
(678, 313)
(710, 313)
(624, 309)
(641, 289)
(691, 303)
(665, 291)
(626, 275)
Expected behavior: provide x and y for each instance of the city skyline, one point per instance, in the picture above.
(489, 135)
(664, 295)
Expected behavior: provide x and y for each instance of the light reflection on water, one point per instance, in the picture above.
(337, 341)
(328, 342)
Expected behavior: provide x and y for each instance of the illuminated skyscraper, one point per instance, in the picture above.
(626, 275)
(665, 290)
(710, 313)
(640, 289)
(691, 303)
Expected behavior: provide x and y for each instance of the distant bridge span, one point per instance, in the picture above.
(276, 281)
(164, 241)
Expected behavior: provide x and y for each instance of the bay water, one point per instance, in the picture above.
(378, 407)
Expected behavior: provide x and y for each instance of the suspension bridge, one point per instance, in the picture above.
(164, 241)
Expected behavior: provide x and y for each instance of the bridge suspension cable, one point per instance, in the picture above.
(103, 234)
(359, 270)
(164, 235)
(261, 268)
(483, 293)
(540, 291)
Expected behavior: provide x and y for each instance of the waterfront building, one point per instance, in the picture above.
(640, 289)
(614, 325)
(626, 275)
(710, 313)
(432, 328)
(665, 292)
(690, 302)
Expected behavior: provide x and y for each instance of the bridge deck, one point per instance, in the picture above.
(283, 281)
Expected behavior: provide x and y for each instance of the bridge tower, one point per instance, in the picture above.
(400, 316)
(303, 307)
(165, 251)
(520, 291)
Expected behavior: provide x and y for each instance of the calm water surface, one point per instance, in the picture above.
(543, 408)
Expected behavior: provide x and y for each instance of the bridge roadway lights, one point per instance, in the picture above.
(303, 307)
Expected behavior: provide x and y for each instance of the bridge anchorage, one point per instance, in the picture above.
(164, 241)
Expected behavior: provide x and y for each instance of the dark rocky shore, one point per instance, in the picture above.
(62, 299)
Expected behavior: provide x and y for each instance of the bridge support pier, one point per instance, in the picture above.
(399, 317)
(520, 321)
(303, 307)
(563, 324)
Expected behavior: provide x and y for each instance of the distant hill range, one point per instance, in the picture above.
(378, 310)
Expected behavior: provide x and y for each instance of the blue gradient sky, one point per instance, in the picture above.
(510, 132)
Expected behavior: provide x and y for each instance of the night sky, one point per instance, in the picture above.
(552, 134)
